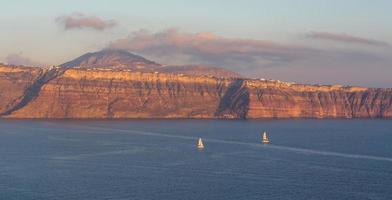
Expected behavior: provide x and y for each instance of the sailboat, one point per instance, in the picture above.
(265, 139)
(200, 144)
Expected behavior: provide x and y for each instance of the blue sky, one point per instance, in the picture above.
(345, 33)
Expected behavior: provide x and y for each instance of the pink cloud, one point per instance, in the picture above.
(345, 38)
(204, 41)
(250, 57)
(79, 21)
(174, 46)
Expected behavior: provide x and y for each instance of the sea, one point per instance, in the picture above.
(158, 159)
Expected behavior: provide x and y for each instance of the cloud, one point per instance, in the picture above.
(80, 21)
(261, 58)
(19, 59)
(175, 47)
(345, 38)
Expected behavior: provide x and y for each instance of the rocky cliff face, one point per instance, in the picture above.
(14, 83)
(82, 93)
(97, 93)
(272, 99)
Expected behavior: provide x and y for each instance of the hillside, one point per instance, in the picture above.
(115, 59)
(100, 93)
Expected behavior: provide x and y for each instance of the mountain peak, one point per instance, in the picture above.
(112, 58)
(118, 59)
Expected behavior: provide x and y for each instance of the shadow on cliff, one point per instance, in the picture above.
(33, 91)
(235, 102)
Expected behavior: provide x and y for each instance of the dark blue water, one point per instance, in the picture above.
(157, 159)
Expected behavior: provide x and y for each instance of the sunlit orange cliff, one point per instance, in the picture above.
(117, 84)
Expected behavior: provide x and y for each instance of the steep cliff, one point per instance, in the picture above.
(14, 84)
(273, 99)
(82, 93)
(235, 102)
(99, 93)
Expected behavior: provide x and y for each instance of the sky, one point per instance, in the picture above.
(306, 41)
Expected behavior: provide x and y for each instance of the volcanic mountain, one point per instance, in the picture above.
(117, 59)
(111, 58)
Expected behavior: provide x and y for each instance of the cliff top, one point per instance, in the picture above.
(251, 83)
(101, 72)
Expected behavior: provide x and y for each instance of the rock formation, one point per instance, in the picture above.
(100, 92)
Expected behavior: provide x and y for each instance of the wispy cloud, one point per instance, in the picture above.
(255, 58)
(19, 59)
(80, 21)
(174, 46)
(345, 38)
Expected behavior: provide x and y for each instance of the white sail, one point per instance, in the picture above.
(200, 144)
(265, 138)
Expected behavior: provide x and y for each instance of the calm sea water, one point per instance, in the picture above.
(157, 159)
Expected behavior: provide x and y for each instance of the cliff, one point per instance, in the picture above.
(274, 99)
(14, 84)
(104, 93)
(94, 93)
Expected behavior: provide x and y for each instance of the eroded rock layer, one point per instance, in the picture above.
(282, 100)
(96, 93)
(81, 93)
(14, 82)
